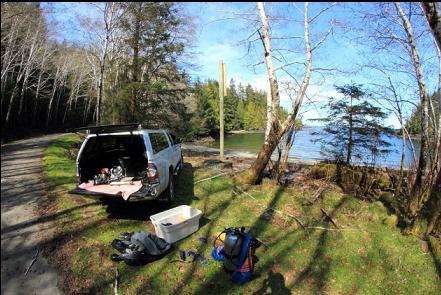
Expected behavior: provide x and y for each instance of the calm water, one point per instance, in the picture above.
(304, 149)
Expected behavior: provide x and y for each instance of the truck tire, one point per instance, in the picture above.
(169, 193)
(181, 163)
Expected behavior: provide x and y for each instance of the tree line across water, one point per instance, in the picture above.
(244, 108)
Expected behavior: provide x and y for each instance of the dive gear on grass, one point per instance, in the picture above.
(193, 256)
(236, 250)
(139, 248)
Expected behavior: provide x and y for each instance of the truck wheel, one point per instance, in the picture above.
(181, 163)
(169, 193)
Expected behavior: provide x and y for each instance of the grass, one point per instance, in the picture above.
(370, 256)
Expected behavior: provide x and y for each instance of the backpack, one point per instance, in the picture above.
(237, 251)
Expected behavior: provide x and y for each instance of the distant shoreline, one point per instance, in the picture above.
(245, 131)
(195, 149)
(413, 136)
(397, 133)
(192, 150)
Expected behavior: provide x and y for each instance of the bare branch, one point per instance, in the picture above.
(321, 12)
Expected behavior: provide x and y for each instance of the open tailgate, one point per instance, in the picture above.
(108, 190)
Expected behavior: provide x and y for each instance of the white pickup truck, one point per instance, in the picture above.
(128, 161)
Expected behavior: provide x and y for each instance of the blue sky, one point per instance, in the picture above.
(222, 27)
(221, 30)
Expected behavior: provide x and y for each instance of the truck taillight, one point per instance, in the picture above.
(152, 173)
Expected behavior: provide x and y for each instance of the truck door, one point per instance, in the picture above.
(175, 150)
(161, 150)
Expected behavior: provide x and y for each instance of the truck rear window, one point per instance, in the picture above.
(113, 142)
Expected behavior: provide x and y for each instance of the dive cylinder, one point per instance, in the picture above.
(232, 247)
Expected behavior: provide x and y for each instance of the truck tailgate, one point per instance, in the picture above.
(121, 190)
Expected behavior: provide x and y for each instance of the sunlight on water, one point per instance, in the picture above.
(305, 149)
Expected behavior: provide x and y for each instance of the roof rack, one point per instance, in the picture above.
(108, 128)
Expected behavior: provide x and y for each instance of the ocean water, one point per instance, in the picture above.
(305, 148)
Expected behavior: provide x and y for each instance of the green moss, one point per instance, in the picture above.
(243, 178)
(331, 199)
(391, 221)
(435, 246)
(388, 200)
(323, 170)
(379, 208)
(384, 182)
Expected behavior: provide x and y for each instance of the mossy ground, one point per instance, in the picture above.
(367, 255)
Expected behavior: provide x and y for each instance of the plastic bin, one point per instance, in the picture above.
(182, 221)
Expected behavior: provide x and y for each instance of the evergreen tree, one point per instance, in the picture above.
(204, 120)
(353, 127)
(231, 103)
(413, 125)
(244, 108)
(152, 87)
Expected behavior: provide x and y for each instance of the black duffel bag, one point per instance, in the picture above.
(139, 248)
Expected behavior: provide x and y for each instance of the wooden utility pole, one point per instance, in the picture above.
(222, 92)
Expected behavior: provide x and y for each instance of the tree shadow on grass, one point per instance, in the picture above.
(262, 222)
(319, 266)
(274, 281)
(274, 284)
(209, 228)
(436, 257)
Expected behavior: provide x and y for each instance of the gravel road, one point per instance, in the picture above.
(23, 231)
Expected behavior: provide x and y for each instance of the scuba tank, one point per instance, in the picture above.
(236, 249)
(232, 248)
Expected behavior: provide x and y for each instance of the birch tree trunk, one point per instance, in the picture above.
(288, 144)
(135, 73)
(37, 95)
(109, 11)
(15, 90)
(54, 90)
(39, 82)
(277, 130)
(419, 190)
(8, 57)
(433, 16)
(432, 208)
(28, 69)
(269, 111)
(11, 103)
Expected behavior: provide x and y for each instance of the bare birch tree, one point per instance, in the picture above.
(387, 96)
(277, 129)
(100, 33)
(433, 205)
(401, 34)
(423, 163)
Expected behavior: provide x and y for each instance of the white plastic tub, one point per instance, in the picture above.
(183, 221)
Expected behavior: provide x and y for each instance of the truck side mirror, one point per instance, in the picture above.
(176, 140)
